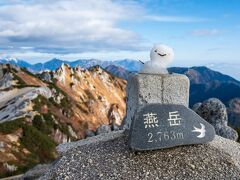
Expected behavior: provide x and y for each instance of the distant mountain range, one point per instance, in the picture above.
(226, 68)
(205, 83)
(130, 65)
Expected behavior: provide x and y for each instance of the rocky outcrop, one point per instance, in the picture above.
(108, 156)
(96, 96)
(36, 172)
(17, 103)
(1, 71)
(6, 81)
(103, 129)
(215, 112)
(89, 133)
(46, 76)
(57, 107)
(234, 112)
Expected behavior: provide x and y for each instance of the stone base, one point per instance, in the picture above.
(110, 158)
(155, 88)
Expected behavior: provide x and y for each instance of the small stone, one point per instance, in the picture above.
(192, 166)
(115, 127)
(103, 129)
(215, 112)
(89, 133)
(196, 106)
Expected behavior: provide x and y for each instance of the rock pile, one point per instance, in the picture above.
(215, 112)
(101, 130)
(107, 156)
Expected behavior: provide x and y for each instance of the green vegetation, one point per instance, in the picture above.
(41, 146)
(100, 98)
(89, 94)
(5, 71)
(38, 144)
(39, 102)
(19, 86)
(11, 126)
(51, 100)
(33, 139)
(54, 86)
(65, 103)
(20, 81)
(72, 84)
(28, 72)
(27, 163)
(50, 121)
(40, 125)
(83, 126)
(82, 109)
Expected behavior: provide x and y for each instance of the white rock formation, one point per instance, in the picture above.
(17, 102)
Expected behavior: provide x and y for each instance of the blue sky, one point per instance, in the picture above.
(200, 31)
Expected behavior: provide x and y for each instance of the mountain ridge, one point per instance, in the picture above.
(39, 111)
(53, 64)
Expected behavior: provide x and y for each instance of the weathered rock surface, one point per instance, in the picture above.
(103, 129)
(89, 133)
(234, 112)
(108, 157)
(6, 81)
(1, 71)
(155, 88)
(36, 172)
(215, 112)
(46, 76)
(17, 102)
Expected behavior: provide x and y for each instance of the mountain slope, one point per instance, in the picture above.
(118, 71)
(203, 75)
(206, 83)
(37, 114)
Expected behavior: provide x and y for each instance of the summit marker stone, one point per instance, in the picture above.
(157, 126)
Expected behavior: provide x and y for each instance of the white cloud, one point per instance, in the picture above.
(76, 24)
(180, 19)
(50, 28)
(205, 32)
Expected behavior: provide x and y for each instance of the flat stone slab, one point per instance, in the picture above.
(158, 126)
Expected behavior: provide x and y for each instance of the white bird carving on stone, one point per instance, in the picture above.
(201, 130)
(160, 56)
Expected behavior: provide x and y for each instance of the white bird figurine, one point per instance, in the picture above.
(161, 55)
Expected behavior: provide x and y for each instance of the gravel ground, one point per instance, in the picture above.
(228, 146)
(112, 159)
